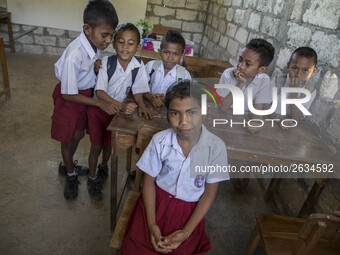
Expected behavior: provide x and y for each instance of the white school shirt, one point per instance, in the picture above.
(121, 80)
(162, 83)
(75, 68)
(260, 87)
(164, 159)
(278, 107)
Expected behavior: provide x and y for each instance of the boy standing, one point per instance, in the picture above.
(301, 66)
(75, 70)
(250, 73)
(127, 73)
(164, 73)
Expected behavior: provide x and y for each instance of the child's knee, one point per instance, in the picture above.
(78, 135)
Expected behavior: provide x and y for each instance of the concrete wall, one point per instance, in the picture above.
(188, 15)
(67, 14)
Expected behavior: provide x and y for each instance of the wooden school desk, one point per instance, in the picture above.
(270, 145)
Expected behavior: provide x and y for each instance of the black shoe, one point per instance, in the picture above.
(80, 170)
(95, 189)
(71, 188)
(102, 173)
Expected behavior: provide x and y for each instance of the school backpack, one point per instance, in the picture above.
(180, 71)
(112, 65)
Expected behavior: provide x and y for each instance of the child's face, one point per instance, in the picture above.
(249, 63)
(99, 36)
(300, 70)
(126, 45)
(171, 54)
(185, 118)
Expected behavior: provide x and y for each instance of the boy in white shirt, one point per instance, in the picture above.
(119, 75)
(250, 72)
(163, 73)
(75, 71)
(301, 66)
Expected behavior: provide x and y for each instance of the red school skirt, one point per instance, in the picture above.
(68, 117)
(171, 215)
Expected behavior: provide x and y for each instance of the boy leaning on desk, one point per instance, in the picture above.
(250, 72)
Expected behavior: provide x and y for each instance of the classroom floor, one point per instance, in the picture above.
(34, 216)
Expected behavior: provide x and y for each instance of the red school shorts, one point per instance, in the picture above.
(67, 117)
(98, 121)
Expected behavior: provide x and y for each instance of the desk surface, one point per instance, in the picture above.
(269, 145)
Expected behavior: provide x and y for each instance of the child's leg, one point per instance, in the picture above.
(68, 150)
(93, 159)
(106, 155)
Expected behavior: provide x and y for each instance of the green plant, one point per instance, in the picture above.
(146, 25)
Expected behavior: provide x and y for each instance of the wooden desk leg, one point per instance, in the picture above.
(114, 172)
(253, 242)
(312, 198)
(270, 190)
(4, 68)
(10, 34)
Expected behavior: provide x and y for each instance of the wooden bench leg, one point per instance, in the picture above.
(253, 242)
(10, 33)
(4, 69)
(312, 198)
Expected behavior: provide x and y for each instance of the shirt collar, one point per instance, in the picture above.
(172, 72)
(87, 46)
(171, 139)
(132, 65)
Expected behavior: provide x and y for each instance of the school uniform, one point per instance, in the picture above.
(178, 189)
(75, 71)
(274, 83)
(118, 87)
(161, 82)
(260, 86)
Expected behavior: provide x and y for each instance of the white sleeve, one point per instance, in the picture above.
(69, 84)
(150, 161)
(102, 78)
(148, 68)
(220, 159)
(263, 94)
(141, 82)
(226, 79)
(187, 75)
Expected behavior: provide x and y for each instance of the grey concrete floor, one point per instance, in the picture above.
(34, 216)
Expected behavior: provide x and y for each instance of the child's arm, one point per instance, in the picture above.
(149, 199)
(156, 100)
(175, 239)
(80, 99)
(142, 109)
(101, 94)
(228, 100)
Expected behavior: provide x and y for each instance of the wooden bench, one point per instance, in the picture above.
(144, 136)
(281, 235)
(160, 30)
(203, 67)
(3, 61)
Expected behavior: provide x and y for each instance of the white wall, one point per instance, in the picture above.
(68, 14)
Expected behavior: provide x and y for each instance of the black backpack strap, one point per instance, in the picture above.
(111, 65)
(135, 71)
